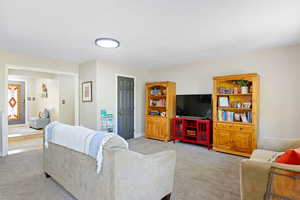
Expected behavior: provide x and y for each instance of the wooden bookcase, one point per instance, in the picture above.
(235, 124)
(160, 109)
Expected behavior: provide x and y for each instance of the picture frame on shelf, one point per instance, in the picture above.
(223, 101)
(244, 118)
(237, 117)
(87, 91)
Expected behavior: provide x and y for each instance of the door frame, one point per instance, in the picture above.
(4, 148)
(25, 96)
(134, 112)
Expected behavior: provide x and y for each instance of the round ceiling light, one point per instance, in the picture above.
(107, 43)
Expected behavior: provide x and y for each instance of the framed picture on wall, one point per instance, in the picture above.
(87, 91)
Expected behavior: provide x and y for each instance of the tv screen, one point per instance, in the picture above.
(194, 106)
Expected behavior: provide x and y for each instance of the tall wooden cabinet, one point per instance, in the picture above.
(160, 109)
(235, 113)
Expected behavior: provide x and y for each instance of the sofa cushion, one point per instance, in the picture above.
(264, 155)
(291, 156)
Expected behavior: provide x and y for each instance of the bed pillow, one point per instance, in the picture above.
(291, 156)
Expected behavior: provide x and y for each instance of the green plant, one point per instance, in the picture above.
(242, 83)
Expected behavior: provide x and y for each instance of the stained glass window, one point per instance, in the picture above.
(14, 92)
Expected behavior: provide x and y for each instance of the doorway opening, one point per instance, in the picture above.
(34, 99)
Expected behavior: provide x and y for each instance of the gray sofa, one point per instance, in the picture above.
(125, 175)
(255, 171)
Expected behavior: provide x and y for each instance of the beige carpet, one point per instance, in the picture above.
(25, 144)
(200, 174)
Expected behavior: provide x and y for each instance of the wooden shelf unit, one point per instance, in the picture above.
(236, 137)
(158, 126)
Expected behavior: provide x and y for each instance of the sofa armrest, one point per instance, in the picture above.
(254, 177)
(138, 176)
(294, 168)
(279, 145)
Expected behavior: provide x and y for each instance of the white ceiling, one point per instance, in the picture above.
(153, 33)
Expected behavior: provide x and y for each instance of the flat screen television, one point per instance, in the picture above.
(194, 105)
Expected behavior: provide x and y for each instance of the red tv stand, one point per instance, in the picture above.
(191, 130)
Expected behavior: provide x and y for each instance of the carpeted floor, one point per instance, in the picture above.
(26, 144)
(200, 174)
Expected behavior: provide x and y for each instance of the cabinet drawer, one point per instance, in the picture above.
(236, 127)
(223, 126)
(244, 128)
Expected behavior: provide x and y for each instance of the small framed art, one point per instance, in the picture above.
(223, 102)
(87, 91)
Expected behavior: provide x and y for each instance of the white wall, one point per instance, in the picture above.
(52, 102)
(88, 110)
(279, 69)
(67, 93)
(30, 74)
(108, 90)
(103, 75)
(31, 105)
(7, 58)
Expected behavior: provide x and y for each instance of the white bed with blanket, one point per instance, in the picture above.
(98, 166)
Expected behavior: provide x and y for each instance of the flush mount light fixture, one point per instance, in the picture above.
(107, 43)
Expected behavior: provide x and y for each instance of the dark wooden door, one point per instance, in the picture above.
(125, 107)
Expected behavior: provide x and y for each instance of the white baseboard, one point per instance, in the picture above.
(140, 134)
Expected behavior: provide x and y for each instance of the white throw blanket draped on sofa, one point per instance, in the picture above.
(78, 138)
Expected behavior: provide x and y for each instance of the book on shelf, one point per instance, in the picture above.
(225, 116)
(229, 116)
(249, 116)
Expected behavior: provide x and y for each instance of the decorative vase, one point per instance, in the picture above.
(236, 90)
(244, 90)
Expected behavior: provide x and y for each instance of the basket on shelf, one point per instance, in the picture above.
(191, 132)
